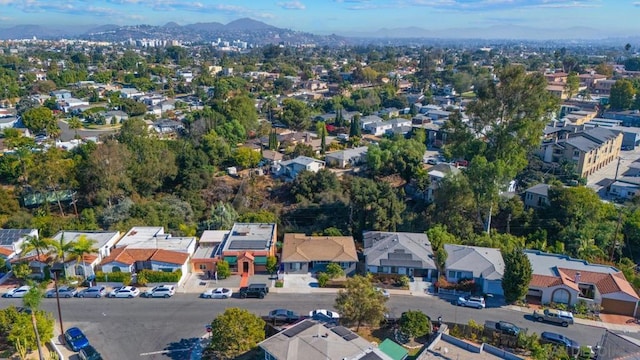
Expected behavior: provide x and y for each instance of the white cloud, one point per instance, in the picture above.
(292, 5)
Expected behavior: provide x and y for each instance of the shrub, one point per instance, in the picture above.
(279, 283)
(403, 281)
(323, 278)
(223, 269)
(123, 277)
(334, 270)
(150, 276)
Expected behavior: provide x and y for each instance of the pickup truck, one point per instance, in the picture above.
(560, 317)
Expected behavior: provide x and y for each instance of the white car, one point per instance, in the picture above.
(384, 292)
(63, 292)
(18, 292)
(219, 293)
(323, 313)
(472, 301)
(124, 292)
(163, 291)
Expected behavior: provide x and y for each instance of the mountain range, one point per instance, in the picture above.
(260, 33)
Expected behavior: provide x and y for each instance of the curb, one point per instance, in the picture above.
(56, 349)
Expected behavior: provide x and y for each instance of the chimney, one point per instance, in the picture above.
(577, 278)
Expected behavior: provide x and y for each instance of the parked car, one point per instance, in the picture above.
(384, 292)
(63, 291)
(324, 313)
(164, 291)
(563, 318)
(89, 353)
(124, 292)
(283, 315)
(254, 290)
(94, 292)
(18, 292)
(572, 346)
(219, 293)
(471, 301)
(507, 328)
(75, 339)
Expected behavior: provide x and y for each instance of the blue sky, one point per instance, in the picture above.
(327, 16)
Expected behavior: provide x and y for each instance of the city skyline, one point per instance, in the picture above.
(333, 16)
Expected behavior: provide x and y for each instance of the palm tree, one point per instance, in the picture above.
(61, 248)
(81, 247)
(40, 245)
(75, 124)
(31, 300)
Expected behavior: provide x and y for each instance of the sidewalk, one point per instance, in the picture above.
(605, 325)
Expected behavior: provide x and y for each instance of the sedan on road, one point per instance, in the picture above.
(283, 315)
(93, 292)
(18, 292)
(63, 291)
(75, 339)
(219, 293)
(324, 313)
(89, 353)
(163, 291)
(124, 292)
(472, 301)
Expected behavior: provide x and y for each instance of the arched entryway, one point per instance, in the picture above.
(561, 296)
(246, 264)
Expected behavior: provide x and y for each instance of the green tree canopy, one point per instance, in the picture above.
(39, 119)
(517, 275)
(235, 332)
(295, 114)
(621, 96)
(414, 323)
(360, 303)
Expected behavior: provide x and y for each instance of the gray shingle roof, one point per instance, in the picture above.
(539, 189)
(483, 262)
(398, 249)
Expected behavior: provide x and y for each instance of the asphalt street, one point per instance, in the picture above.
(160, 328)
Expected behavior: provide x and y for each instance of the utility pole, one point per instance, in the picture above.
(617, 168)
(615, 236)
(509, 224)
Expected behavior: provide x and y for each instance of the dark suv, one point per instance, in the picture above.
(254, 290)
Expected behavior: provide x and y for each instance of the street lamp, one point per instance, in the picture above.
(57, 269)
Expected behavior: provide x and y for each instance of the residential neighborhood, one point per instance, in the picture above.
(317, 196)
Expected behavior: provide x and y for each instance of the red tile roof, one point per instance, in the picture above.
(5, 251)
(545, 281)
(130, 256)
(606, 283)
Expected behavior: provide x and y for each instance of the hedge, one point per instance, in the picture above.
(150, 276)
(123, 277)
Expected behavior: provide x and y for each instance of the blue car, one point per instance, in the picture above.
(75, 339)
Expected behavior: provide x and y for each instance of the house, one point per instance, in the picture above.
(484, 265)
(625, 187)
(346, 158)
(628, 117)
(248, 246)
(119, 116)
(303, 254)
(61, 94)
(537, 196)
(204, 259)
(130, 93)
(615, 346)
(12, 240)
(565, 280)
(272, 158)
(447, 347)
(135, 260)
(589, 150)
(104, 241)
(290, 169)
(167, 126)
(369, 119)
(154, 237)
(437, 173)
(312, 340)
(399, 253)
(381, 127)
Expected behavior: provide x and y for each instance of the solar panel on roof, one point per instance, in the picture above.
(247, 244)
(9, 236)
(341, 331)
(350, 336)
(297, 329)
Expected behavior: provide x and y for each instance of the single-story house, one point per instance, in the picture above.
(290, 169)
(399, 253)
(272, 157)
(154, 237)
(484, 265)
(312, 340)
(11, 241)
(103, 241)
(537, 196)
(134, 260)
(247, 247)
(565, 280)
(204, 259)
(347, 157)
(302, 254)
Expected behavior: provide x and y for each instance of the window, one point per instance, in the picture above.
(115, 269)
(203, 266)
(576, 153)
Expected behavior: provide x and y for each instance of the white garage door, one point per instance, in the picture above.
(561, 296)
